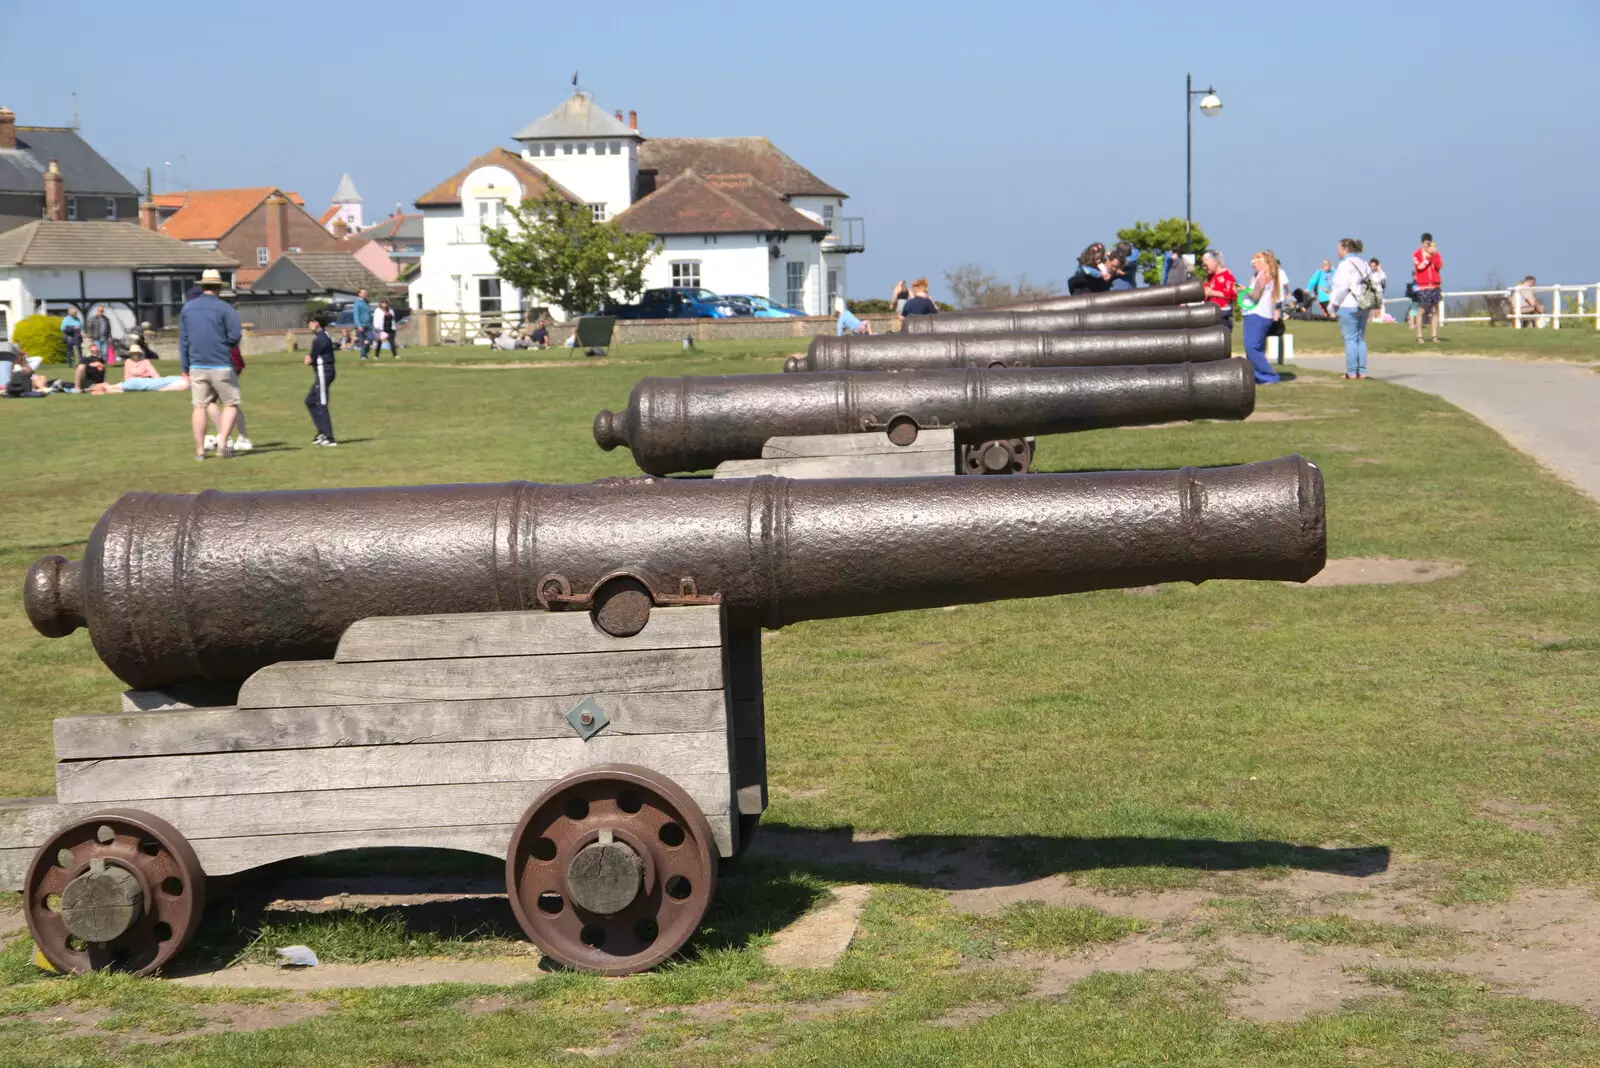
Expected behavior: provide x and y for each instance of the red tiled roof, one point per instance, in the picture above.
(534, 182)
(208, 214)
(176, 200)
(333, 209)
(693, 203)
(663, 159)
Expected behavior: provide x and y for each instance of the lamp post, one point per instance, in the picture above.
(1210, 104)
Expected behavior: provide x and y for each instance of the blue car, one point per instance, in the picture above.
(673, 302)
(760, 307)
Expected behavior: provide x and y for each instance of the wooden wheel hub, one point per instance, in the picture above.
(611, 869)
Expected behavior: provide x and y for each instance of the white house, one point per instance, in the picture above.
(734, 215)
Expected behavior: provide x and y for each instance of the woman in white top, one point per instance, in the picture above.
(1380, 280)
(1347, 279)
(1266, 290)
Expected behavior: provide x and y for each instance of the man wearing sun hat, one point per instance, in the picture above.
(208, 328)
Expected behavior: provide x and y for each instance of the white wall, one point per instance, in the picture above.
(454, 254)
(735, 263)
(596, 179)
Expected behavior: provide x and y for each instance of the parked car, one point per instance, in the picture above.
(673, 302)
(346, 319)
(760, 307)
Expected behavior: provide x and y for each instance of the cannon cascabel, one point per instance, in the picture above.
(689, 424)
(214, 586)
(1109, 348)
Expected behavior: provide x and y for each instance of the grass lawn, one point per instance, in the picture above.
(1212, 740)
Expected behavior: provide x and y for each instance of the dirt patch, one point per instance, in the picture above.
(1381, 571)
(1059, 890)
(819, 938)
(1276, 417)
(1287, 983)
(1518, 816)
(1140, 953)
(12, 921)
(493, 971)
(219, 1018)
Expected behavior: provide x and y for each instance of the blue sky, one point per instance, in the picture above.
(1008, 135)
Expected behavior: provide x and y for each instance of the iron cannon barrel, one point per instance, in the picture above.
(1177, 317)
(1149, 297)
(214, 586)
(692, 423)
(900, 352)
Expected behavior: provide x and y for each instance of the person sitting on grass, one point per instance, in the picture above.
(848, 322)
(139, 376)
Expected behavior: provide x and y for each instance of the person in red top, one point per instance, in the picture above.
(1221, 286)
(1425, 264)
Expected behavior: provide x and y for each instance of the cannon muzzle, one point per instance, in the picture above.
(690, 424)
(214, 586)
(1149, 297)
(1179, 317)
(1112, 348)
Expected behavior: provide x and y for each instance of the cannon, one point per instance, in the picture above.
(1112, 348)
(1177, 317)
(689, 424)
(1149, 297)
(564, 676)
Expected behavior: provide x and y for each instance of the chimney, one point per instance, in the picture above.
(618, 114)
(340, 227)
(277, 225)
(149, 218)
(633, 119)
(55, 196)
(8, 128)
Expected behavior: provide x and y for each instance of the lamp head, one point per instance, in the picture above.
(1211, 104)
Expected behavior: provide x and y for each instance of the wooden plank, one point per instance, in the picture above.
(325, 682)
(224, 856)
(235, 729)
(747, 715)
(904, 465)
(361, 767)
(14, 867)
(479, 634)
(939, 441)
(316, 811)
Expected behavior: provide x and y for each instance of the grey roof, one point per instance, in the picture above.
(319, 272)
(45, 243)
(576, 117)
(402, 228)
(346, 193)
(83, 170)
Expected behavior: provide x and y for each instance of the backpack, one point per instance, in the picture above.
(1368, 295)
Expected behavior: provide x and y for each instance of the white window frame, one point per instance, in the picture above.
(499, 298)
(111, 209)
(72, 209)
(685, 273)
(833, 290)
(616, 148)
(827, 217)
(597, 211)
(294, 248)
(795, 297)
(263, 255)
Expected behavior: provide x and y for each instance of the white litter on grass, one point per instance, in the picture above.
(297, 957)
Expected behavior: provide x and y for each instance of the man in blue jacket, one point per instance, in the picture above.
(208, 329)
(362, 311)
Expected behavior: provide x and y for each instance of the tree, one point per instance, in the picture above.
(40, 335)
(553, 249)
(1154, 240)
(974, 287)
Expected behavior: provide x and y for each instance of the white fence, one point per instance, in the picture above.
(1576, 304)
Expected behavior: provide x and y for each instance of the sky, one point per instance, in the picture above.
(1005, 135)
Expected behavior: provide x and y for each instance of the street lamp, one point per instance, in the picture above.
(1210, 104)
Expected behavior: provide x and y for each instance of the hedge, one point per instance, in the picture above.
(40, 335)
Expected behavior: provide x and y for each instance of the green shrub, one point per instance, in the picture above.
(875, 306)
(40, 335)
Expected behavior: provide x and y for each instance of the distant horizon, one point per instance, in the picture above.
(957, 145)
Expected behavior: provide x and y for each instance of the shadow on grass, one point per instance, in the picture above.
(965, 862)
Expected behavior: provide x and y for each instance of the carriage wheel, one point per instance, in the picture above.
(611, 869)
(120, 890)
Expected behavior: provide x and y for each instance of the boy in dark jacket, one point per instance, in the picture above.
(320, 360)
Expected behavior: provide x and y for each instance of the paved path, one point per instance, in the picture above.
(1549, 410)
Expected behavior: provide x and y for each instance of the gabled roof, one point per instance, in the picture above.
(326, 216)
(208, 214)
(83, 170)
(534, 182)
(177, 200)
(45, 243)
(693, 203)
(663, 159)
(394, 228)
(576, 117)
(319, 272)
(346, 193)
